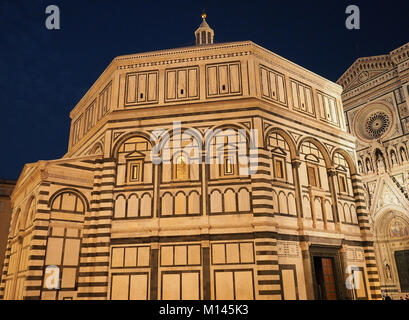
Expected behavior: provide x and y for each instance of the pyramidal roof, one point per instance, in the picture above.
(204, 24)
(204, 34)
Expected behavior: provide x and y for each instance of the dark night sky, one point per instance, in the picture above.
(44, 73)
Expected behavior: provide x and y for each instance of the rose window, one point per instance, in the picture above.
(377, 124)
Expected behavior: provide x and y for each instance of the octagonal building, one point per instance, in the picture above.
(216, 171)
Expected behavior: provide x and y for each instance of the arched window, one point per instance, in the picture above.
(281, 157)
(30, 213)
(68, 202)
(227, 153)
(343, 174)
(64, 241)
(134, 161)
(16, 224)
(180, 156)
(315, 182)
(181, 167)
(314, 165)
(402, 154)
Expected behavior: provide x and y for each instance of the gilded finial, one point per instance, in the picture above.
(204, 14)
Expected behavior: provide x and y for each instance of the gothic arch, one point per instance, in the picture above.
(384, 216)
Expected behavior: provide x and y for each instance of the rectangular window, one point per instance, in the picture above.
(135, 171)
(228, 166)
(279, 168)
(342, 183)
(181, 168)
(312, 176)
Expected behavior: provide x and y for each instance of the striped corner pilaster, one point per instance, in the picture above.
(267, 278)
(268, 284)
(262, 199)
(361, 210)
(94, 256)
(372, 272)
(5, 269)
(369, 251)
(38, 246)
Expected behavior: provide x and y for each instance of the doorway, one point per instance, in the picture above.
(325, 278)
(402, 264)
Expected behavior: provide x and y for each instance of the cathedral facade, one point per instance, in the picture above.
(217, 171)
(376, 104)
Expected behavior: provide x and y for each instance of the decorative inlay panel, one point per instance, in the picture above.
(223, 79)
(141, 88)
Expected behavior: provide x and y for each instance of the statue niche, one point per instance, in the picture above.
(368, 165)
(380, 161)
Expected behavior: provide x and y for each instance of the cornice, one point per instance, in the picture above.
(400, 54)
(184, 50)
(26, 178)
(182, 60)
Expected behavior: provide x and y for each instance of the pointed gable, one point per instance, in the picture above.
(364, 70)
